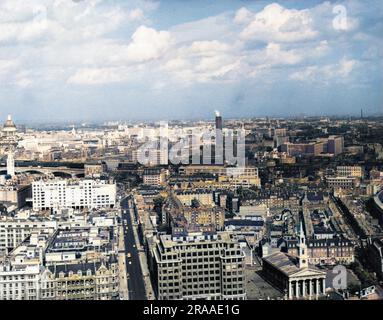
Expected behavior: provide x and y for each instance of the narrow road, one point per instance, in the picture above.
(136, 284)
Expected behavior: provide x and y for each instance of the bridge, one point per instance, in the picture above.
(59, 169)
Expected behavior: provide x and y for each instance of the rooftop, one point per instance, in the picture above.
(285, 263)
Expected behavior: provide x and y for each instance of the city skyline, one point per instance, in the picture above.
(70, 124)
(227, 210)
(97, 61)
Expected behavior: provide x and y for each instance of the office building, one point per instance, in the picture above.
(78, 194)
(218, 121)
(302, 149)
(199, 267)
(335, 145)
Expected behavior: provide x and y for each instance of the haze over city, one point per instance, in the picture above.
(107, 60)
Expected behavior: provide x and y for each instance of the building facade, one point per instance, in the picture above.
(349, 171)
(81, 281)
(341, 182)
(78, 194)
(199, 267)
(325, 251)
(154, 176)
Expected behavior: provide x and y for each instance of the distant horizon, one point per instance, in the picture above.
(79, 122)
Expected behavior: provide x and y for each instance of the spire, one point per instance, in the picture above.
(301, 230)
(302, 248)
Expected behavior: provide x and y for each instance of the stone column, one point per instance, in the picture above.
(317, 287)
(290, 290)
(297, 289)
(323, 286)
(303, 288)
(310, 288)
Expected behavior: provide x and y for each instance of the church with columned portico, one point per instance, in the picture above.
(294, 276)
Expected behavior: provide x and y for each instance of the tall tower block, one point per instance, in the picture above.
(218, 121)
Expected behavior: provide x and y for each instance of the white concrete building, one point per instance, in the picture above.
(79, 194)
(20, 271)
(14, 231)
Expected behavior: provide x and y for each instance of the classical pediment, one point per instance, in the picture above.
(310, 272)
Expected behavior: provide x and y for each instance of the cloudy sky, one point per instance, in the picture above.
(65, 60)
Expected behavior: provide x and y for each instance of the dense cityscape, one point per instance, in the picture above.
(183, 159)
(103, 212)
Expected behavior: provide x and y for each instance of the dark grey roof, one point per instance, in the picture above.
(152, 171)
(83, 266)
(334, 242)
(315, 196)
(286, 263)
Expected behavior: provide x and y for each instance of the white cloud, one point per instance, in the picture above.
(208, 47)
(274, 55)
(176, 64)
(203, 61)
(22, 80)
(93, 42)
(275, 23)
(243, 16)
(217, 27)
(305, 74)
(338, 72)
(136, 14)
(321, 49)
(346, 66)
(7, 65)
(67, 21)
(148, 44)
(97, 76)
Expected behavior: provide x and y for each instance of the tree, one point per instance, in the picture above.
(158, 203)
(3, 209)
